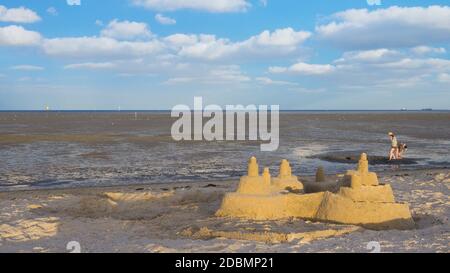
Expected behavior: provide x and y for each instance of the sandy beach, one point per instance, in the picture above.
(179, 217)
(224, 126)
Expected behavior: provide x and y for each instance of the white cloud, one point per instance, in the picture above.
(27, 68)
(18, 15)
(386, 28)
(422, 50)
(444, 77)
(376, 55)
(209, 47)
(164, 20)
(99, 22)
(126, 30)
(286, 37)
(90, 65)
(18, 36)
(379, 70)
(269, 81)
(263, 3)
(217, 6)
(98, 47)
(74, 2)
(304, 69)
(428, 64)
(52, 11)
(230, 74)
(124, 38)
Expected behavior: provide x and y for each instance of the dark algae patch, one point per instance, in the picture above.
(352, 157)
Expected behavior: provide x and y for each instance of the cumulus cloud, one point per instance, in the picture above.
(230, 74)
(444, 77)
(387, 28)
(91, 65)
(124, 38)
(380, 69)
(18, 36)
(209, 47)
(27, 68)
(422, 50)
(98, 47)
(304, 69)
(376, 55)
(126, 30)
(426, 64)
(269, 81)
(18, 15)
(217, 6)
(164, 20)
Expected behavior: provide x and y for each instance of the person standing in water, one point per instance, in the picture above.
(393, 153)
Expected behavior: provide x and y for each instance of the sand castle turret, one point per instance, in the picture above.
(365, 202)
(362, 176)
(253, 183)
(267, 177)
(285, 179)
(253, 168)
(285, 169)
(320, 174)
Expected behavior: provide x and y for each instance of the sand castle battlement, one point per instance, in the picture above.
(365, 202)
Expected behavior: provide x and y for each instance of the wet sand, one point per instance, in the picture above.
(179, 217)
(79, 149)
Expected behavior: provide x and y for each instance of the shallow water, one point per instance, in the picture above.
(61, 149)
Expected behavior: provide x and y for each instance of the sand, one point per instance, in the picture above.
(179, 217)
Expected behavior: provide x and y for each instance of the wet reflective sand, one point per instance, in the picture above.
(60, 149)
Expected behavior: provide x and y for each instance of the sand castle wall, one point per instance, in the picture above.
(338, 209)
(271, 207)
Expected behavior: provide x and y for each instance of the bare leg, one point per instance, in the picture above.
(392, 154)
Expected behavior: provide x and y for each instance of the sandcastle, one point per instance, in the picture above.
(362, 200)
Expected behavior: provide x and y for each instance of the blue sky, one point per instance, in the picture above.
(154, 54)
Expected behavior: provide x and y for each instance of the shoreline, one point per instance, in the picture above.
(175, 184)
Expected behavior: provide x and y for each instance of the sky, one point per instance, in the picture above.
(155, 54)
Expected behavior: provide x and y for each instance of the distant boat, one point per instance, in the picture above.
(403, 109)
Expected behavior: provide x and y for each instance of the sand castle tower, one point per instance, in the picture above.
(366, 202)
(320, 175)
(362, 176)
(285, 179)
(253, 183)
(267, 177)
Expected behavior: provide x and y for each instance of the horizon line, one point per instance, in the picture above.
(169, 110)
